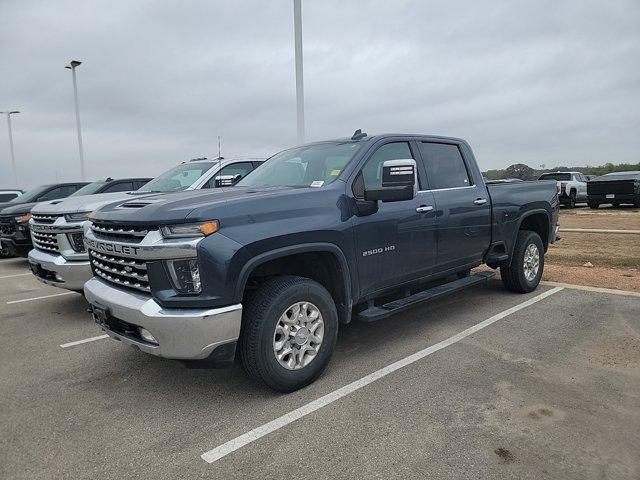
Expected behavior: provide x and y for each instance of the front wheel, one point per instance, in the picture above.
(527, 263)
(572, 200)
(289, 330)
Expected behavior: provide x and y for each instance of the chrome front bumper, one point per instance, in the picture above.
(71, 275)
(182, 334)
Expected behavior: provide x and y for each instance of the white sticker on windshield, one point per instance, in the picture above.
(317, 183)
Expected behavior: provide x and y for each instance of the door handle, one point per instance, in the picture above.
(480, 201)
(424, 208)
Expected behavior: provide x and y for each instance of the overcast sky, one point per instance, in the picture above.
(537, 82)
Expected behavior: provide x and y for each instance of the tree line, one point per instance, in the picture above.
(525, 172)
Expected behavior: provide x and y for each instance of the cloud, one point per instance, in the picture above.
(533, 82)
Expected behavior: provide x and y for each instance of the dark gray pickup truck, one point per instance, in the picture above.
(321, 234)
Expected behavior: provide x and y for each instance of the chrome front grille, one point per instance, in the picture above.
(45, 241)
(116, 232)
(122, 271)
(45, 218)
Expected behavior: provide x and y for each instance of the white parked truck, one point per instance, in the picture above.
(59, 257)
(572, 186)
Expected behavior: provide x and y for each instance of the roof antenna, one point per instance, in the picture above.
(219, 148)
(358, 135)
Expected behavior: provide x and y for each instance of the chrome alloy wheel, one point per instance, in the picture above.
(298, 335)
(531, 262)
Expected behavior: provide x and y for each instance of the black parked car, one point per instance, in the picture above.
(614, 188)
(14, 216)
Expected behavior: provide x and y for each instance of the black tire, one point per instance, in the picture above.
(616, 204)
(5, 253)
(572, 199)
(594, 206)
(513, 276)
(259, 319)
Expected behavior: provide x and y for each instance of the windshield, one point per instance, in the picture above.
(93, 187)
(555, 176)
(31, 195)
(178, 178)
(307, 166)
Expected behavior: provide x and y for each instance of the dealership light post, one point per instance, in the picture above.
(72, 66)
(13, 158)
(297, 27)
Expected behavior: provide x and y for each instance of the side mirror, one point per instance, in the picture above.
(227, 180)
(399, 182)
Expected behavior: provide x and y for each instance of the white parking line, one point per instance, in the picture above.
(40, 298)
(259, 432)
(86, 340)
(16, 275)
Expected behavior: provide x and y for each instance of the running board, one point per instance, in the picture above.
(373, 314)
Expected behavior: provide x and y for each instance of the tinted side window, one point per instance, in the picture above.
(240, 168)
(59, 192)
(119, 187)
(5, 197)
(372, 170)
(445, 166)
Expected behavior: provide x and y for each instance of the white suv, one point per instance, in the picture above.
(572, 186)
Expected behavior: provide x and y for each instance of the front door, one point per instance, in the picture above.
(396, 243)
(463, 206)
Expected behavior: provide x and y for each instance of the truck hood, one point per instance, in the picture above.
(193, 205)
(19, 209)
(83, 203)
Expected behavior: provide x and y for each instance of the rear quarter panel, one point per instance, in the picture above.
(513, 202)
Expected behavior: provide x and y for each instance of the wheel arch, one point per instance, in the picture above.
(342, 292)
(537, 220)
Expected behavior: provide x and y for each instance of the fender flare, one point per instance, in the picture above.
(264, 257)
(527, 214)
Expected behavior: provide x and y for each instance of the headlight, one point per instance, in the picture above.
(23, 218)
(77, 217)
(190, 229)
(185, 275)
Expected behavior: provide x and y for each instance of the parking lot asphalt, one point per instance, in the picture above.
(551, 390)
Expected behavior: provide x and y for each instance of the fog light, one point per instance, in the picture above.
(146, 335)
(185, 275)
(59, 278)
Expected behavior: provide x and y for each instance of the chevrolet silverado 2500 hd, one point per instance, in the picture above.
(362, 228)
(59, 257)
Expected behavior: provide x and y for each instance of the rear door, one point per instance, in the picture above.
(396, 242)
(462, 204)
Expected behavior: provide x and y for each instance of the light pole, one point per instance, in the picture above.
(13, 158)
(72, 66)
(297, 28)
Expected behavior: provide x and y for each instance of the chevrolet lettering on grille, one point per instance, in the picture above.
(111, 248)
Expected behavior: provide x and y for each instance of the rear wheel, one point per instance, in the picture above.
(525, 271)
(594, 205)
(4, 253)
(289, 330)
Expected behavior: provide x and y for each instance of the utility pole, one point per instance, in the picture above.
(13, 158)
(72, 66)
(297, 27)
